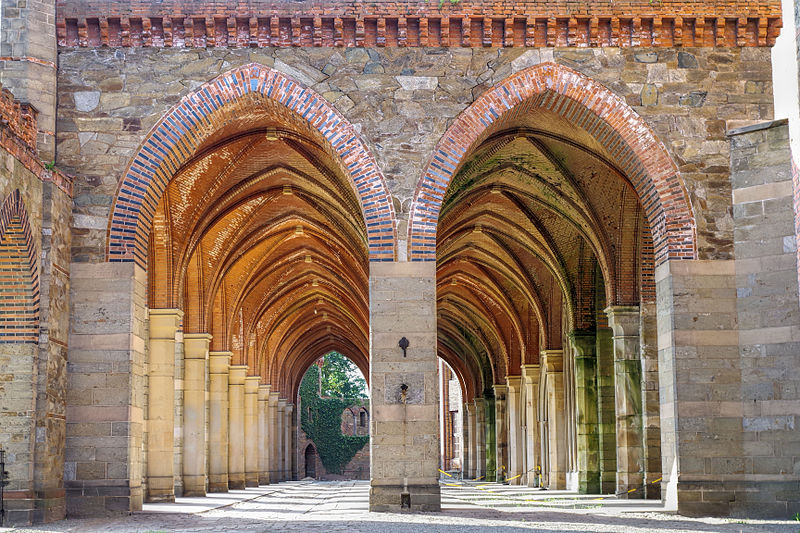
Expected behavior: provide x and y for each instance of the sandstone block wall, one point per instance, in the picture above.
(768, 320)
(105, 389)
(728, 347)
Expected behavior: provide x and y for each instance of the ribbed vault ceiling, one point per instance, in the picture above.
(260, 239)
(538, 232)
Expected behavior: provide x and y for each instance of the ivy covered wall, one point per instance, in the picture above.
(321, 420)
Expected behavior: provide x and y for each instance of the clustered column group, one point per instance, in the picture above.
(237, 431)
(572, 421)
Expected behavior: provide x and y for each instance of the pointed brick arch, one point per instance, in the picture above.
(19, 274)
(176, 137)
(588, 105)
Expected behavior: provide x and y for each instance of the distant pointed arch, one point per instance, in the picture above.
(19, 274)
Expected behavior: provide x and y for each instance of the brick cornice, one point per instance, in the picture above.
(260, 23)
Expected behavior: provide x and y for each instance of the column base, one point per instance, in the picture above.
(251, 479)
(160, 489)
(194, 486)
(218, 486)
(630, 486)
(236, 482)
(557, 481)
(396, 498)
(739, 499)
(160, 496)
(263, 478)
(589, 482)
(653, 491)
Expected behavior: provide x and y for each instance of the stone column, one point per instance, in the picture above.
(281, 466)
(195, 356)
(470, 442)
(464, 441)
(236, 443)
(403, 385)
(275, 438)
(480, 439)
(288, 453)
(263, 434)
(218, 426)
(501, 432)
(624, 322)
(490, 435)
(251, 444)
(606, 411)
(164, 325)
(515, 446)
(553, 363)
(530, 374)
(583, 346)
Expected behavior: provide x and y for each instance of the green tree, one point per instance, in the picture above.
(341, 378)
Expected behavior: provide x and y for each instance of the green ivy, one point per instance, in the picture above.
(321, 419)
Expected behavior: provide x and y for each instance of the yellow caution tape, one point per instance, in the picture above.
(515, 477)
(445, 473)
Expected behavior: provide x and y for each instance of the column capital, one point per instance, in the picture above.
(514, 383)
(238, 373)
(219, 362)
(469, 407)
(164, 323)
(281, 403)
(584, 342)
(623, 320)
(197, 336)
(289, 408)
(196, 345)
(263, 392)
(251, 384)
(553, 360)
(500, 392)
(531, 373)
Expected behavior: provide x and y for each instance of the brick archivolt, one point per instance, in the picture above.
(590, 107)
(258, 234)
(246, 96)
(537, 218)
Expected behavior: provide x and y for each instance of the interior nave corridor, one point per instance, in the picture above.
(467, 507)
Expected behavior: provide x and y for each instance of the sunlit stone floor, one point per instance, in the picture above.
(466, 508)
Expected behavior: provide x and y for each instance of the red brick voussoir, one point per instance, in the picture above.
(176, 137)
(588, 105)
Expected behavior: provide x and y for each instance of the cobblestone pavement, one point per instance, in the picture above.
(467, 508)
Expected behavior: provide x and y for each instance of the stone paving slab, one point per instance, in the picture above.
(341, 506)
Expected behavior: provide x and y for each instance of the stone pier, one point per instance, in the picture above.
(404, 448)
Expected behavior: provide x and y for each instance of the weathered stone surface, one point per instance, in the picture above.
(401, 129)
(86, 100)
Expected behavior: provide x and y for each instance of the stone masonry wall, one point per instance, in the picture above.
(402, 101)
(33, 394)
(768, 319)
(18, 368)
